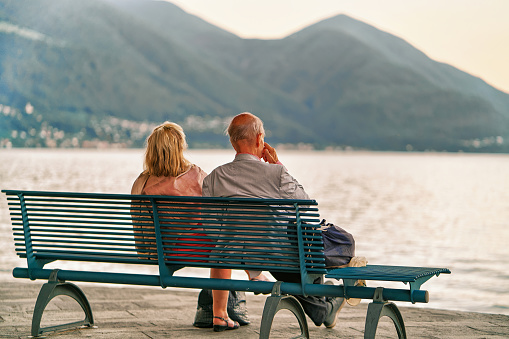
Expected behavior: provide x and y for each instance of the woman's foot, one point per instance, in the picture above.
(228, 324)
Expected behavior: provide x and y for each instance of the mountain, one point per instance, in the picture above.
(107, 70)
(90, 60)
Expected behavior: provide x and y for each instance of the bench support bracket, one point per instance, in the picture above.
(52, 289)
(379, 308)
(276, 302)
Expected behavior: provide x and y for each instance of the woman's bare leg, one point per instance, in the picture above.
(220, 297)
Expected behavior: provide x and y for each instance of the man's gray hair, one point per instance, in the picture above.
(245, 126)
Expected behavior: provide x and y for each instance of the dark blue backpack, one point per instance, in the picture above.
(339, 245)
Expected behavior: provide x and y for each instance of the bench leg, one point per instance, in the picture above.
(277, 302)
(379, 308)
(52, 289)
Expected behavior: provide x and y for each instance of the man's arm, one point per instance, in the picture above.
(206, 187)
(290, 187)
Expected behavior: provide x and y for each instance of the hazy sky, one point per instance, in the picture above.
(472, 35)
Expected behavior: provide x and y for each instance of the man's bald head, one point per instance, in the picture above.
(245, 126)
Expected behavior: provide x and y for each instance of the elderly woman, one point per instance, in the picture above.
(167, 172)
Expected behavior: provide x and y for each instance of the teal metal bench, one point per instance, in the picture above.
(267, 234)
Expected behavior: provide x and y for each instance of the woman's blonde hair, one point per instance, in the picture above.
(164, 155)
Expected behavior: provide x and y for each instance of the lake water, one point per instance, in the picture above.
(419, 209)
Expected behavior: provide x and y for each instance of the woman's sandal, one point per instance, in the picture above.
(221, 328)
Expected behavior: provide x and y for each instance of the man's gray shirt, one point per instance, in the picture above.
(249, 177)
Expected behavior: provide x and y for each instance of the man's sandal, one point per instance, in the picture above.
(221, 328)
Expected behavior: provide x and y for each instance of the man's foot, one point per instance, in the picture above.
(356, 301)
(334, 305)
(260, 277)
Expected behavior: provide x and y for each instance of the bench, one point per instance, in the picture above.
(168, 232)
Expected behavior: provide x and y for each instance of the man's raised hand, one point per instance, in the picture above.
(269, 154)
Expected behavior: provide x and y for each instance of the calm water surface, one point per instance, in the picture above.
(420, 209)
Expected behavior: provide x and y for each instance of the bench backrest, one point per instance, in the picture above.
(260, 234)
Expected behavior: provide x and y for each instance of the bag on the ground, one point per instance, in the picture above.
(237, 309)
(339, 245)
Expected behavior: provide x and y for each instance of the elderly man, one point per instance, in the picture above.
(249, 177)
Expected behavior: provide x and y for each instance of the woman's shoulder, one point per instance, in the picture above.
(195, 169)
(139, 183)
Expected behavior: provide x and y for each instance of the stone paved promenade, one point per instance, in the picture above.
(156, 313)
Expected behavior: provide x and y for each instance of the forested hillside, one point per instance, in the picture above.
(103, 72)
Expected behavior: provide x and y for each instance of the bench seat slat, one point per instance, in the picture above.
(136, 205)
(182, 221)
(127, 247)
(175, 227)
(115, 196)
(168, 228)
(125, 259)
(314, 269)
(177, 212)
(386, 273)
(267, 244)
(122, 248)
(277, 205)
(105, 236)
(92, 258)
(180, 214)
(289, 243)
(211, 202)
(287, 255)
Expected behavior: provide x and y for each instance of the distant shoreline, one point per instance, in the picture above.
(229, 150)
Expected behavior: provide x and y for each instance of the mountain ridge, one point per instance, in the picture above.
(337, 83)
(445, 75)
